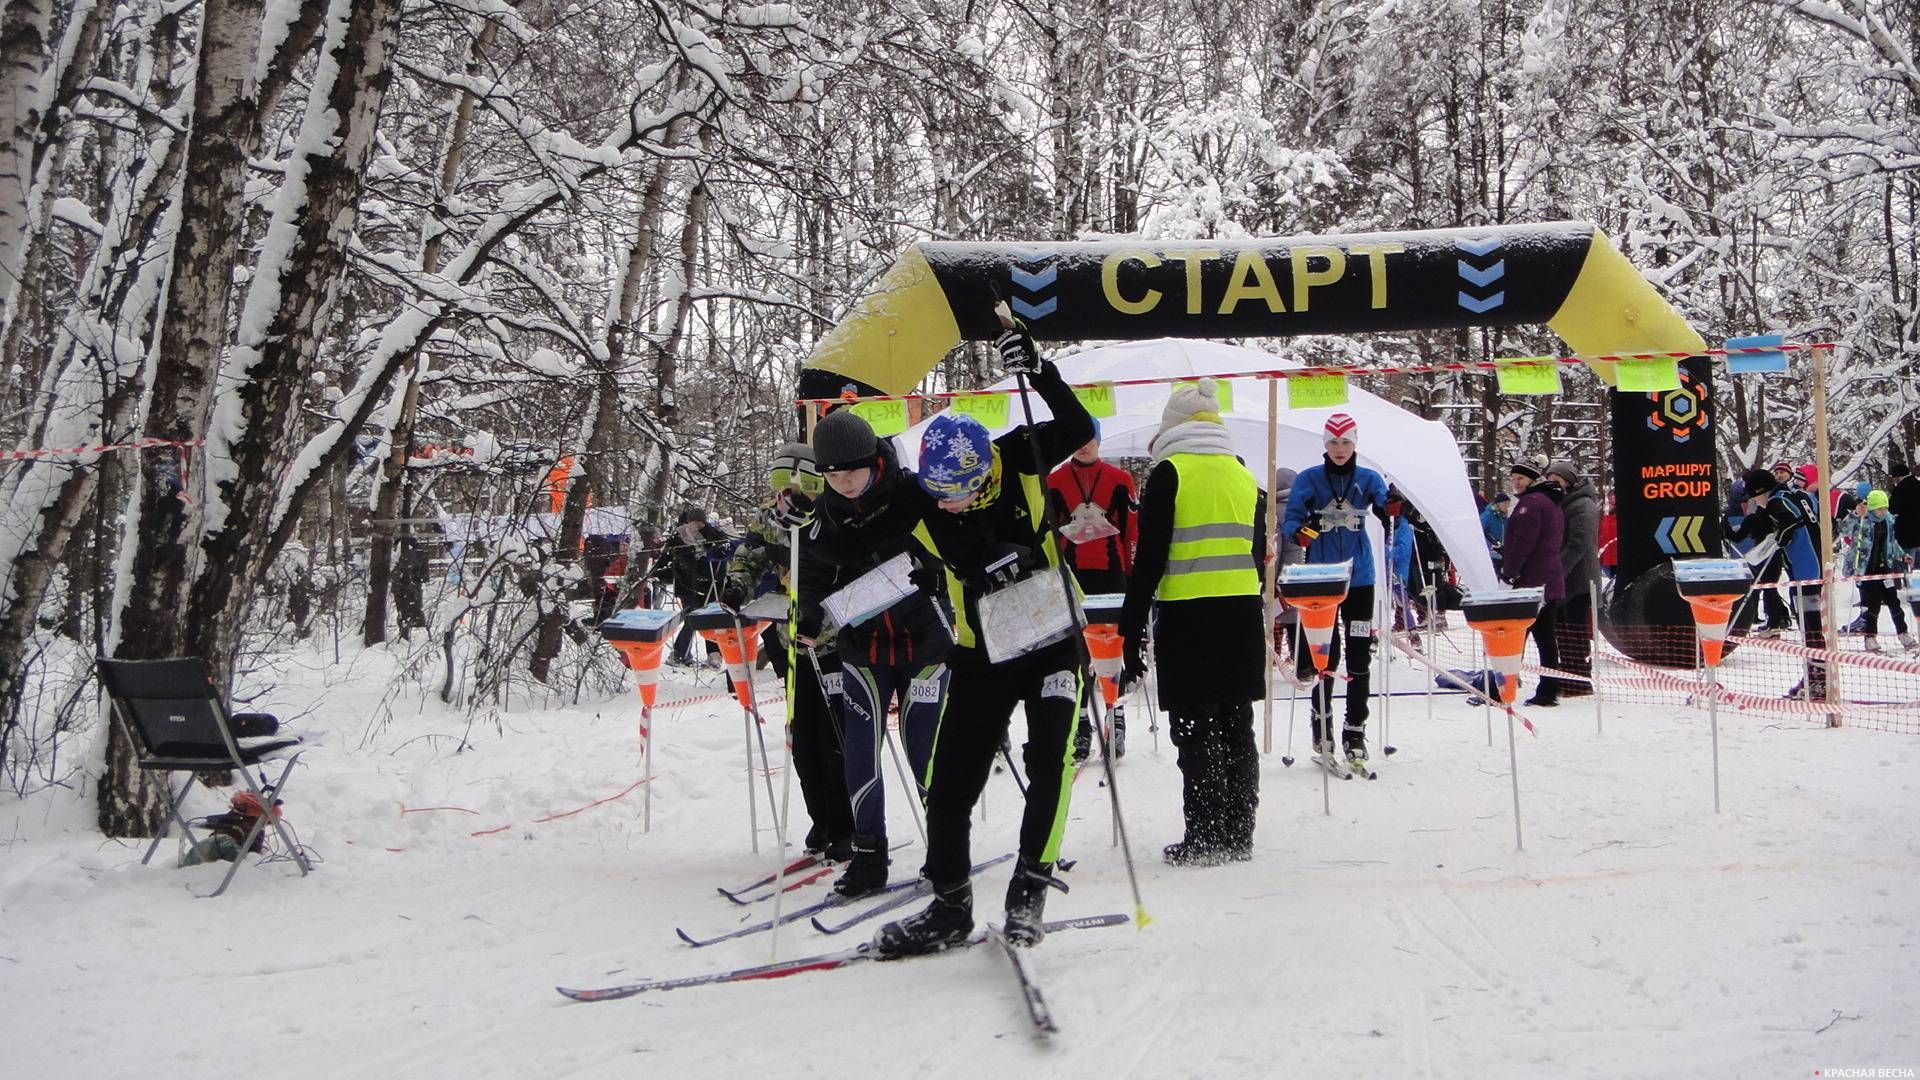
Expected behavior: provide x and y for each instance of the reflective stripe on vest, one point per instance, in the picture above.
(1212, 547)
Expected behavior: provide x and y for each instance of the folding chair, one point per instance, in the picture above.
(178, 724)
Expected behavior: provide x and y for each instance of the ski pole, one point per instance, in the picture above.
(786, 780)
(1080, 639)
(1293, 695)
(1006, 754)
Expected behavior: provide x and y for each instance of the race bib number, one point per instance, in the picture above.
(1360, 628)
(831, 681)
(1061, 684)
(923, 691)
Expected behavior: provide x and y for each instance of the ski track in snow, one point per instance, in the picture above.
(1637, 935)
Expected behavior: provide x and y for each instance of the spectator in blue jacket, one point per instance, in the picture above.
(1327, 515)
(1493, 524)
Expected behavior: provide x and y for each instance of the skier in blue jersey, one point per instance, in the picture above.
(1327, 515)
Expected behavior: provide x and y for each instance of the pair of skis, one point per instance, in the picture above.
(898, 894)
(802, 871)
(1038, 1012)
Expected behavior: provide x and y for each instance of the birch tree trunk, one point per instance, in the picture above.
(24, 59)
(163, 526)
(286, 316)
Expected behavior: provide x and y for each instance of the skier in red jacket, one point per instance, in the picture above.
(1096, 506)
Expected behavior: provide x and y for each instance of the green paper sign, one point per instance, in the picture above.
(885, 417)
(1316, 391)
(1223, 391)
(1647, 376)
(1098, 399)
(1530, 375)
(989, 409)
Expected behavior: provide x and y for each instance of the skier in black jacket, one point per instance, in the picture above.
(870, 512)
(992, 527)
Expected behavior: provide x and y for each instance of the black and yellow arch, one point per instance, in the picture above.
(1565, 275)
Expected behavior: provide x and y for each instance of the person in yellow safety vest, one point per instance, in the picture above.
(1199, 570)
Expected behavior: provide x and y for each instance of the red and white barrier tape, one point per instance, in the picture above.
(1758, 703)
(1455, 680)
(76, 451)
(1851, 659)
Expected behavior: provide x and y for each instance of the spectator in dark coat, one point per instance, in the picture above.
(1534, 535)
(691, 554)
(1580, 554)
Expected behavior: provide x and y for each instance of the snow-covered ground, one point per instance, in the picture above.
(1638, 934)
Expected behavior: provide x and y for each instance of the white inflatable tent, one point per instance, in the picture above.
(1418, 456)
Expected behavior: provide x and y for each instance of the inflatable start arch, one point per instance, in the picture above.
(1563, 274)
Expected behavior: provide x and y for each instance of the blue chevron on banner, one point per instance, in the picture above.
(1481, 307)
(1035, 311)
(1034, 281)
(1485, 277)
(1479, 247)
(1663, 535)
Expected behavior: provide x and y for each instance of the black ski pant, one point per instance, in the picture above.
(980, 703)
(1770, 602)
(1219, 772)
(1356, 626)
(1574, 621)
(819, 760)
(1879, 594)
(1546, 638)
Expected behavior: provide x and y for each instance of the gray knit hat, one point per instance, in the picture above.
(1565, 470)
(843, 441)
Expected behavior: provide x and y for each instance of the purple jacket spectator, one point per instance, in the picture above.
(1535, 531)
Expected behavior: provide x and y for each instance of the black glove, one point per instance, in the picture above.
(928, 577)
(1136, 662)
(798, 513)
(1018, 352)
(733, 596)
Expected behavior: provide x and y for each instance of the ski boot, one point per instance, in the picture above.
(1027, 901)
(946, 922)
(1355, 744)
(1906, 642)
(1118, 743)
(1083, 741)
(866, 871)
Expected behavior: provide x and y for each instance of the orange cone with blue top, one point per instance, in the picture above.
(641, 636)
(1503, 618)
(1711, 587)
(1316, 590)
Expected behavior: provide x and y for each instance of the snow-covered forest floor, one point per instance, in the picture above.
(1638, 934)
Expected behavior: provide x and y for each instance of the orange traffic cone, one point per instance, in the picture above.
(1316, 591)
(1104, 646)
(641, 636)
(1711, 587)
(1503, 619)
